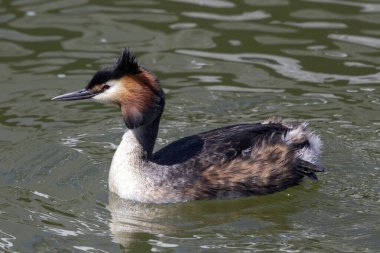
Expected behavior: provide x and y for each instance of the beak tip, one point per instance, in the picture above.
(77, 95)
(57, 98)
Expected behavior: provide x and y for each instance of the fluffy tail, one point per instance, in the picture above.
(307, 169)
(307, 146)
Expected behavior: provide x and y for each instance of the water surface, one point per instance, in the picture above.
(220, 62)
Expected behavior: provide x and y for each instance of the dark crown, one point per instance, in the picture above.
(126, 64)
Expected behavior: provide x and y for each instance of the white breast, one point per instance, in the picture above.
(126, 177)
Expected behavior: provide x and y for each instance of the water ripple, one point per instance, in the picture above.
(89, 249)
(366, 7)
(8, 49)
(240, 89)
(48, 6)
(285, 66)
(13, 35)
(317, 25)
(208, 3)
(360, 40)
(249, 26)
(6, 240)
(235, 61)
(256, 15)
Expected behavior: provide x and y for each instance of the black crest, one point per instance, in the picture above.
(126, 64)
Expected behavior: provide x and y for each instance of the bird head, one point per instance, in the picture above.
(127, 84)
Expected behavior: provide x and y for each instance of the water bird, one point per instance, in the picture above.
(231, 161)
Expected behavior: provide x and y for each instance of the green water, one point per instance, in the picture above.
(220, 62)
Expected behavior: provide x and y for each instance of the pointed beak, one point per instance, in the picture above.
(76, 95)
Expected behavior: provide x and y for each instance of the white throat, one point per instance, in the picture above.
(126, 177)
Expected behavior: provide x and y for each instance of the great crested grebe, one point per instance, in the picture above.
(232, 161)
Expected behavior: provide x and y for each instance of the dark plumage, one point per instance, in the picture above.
(125, 65)
(231, 161)
(238, 160)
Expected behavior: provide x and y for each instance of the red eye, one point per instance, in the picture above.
(105, 87)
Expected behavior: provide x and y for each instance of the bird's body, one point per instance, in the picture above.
(232, 161)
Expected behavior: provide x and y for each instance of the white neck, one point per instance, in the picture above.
(126, 174)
